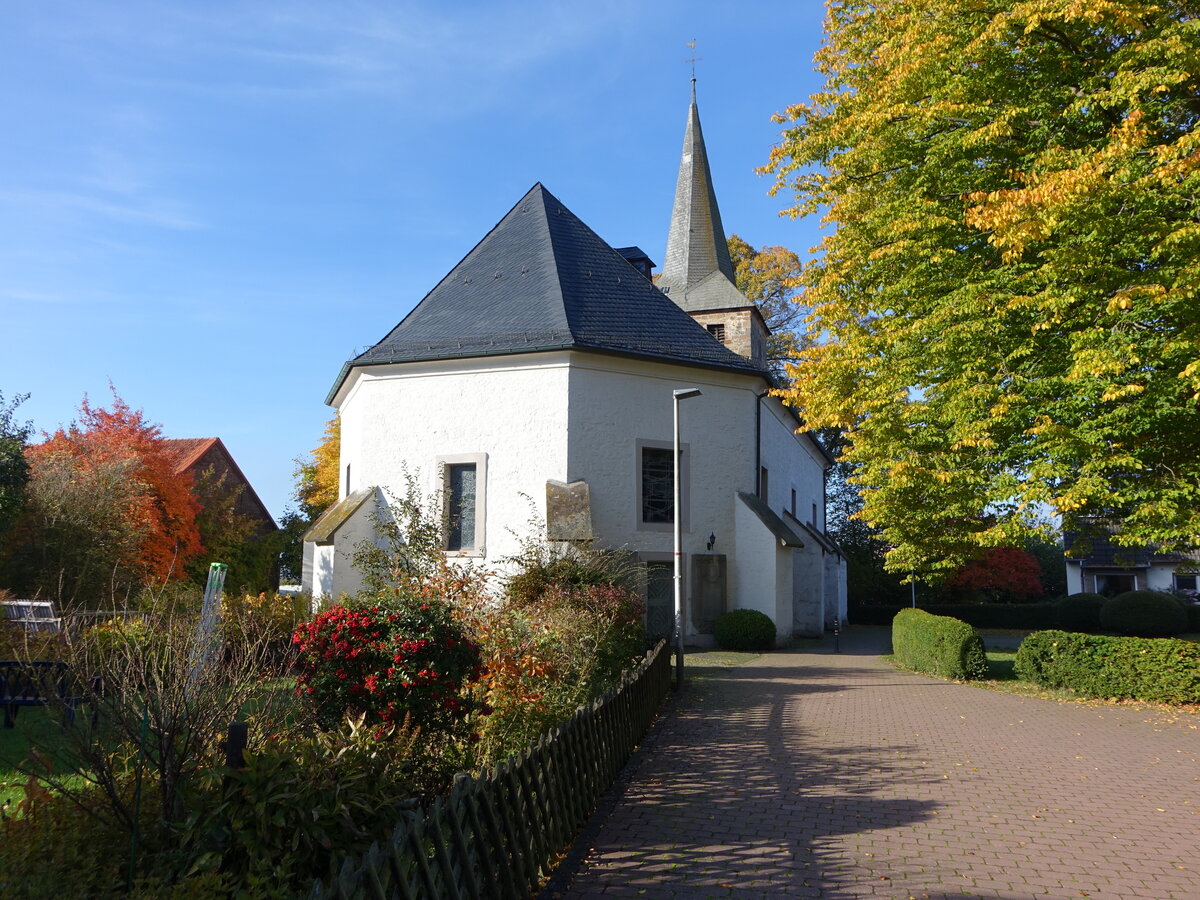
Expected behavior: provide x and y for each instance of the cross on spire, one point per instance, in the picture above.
(691, 45)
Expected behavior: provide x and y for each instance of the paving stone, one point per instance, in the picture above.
(834, 775)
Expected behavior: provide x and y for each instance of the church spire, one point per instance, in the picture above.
(698, 273)
(696, 245)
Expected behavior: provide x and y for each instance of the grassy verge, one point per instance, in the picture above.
(702, 663)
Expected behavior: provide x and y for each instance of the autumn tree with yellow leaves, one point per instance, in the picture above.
(1007, 307)
(770, 278)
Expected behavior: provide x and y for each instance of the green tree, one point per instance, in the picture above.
(1006, 303)
(230, 536)
(14, 467)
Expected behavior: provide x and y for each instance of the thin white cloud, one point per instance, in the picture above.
(146, 213)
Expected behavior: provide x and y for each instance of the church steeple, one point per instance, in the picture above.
(698, 273)
(696, 245)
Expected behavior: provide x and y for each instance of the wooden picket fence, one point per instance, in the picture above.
(498, 831)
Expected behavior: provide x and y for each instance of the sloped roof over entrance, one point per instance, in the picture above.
(542, 280)
(787, 537)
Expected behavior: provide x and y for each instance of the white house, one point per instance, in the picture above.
(542, 366)
(1097, 565)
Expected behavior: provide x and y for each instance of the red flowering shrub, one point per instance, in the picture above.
(388, 662)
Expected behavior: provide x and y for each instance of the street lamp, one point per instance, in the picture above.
(677, 513)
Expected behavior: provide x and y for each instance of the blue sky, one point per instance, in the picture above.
(214, 205)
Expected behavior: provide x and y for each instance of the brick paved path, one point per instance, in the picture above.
(836, 776)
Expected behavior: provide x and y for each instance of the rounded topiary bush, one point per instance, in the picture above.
(1144, 614)
(745, 629)
(1080, 612)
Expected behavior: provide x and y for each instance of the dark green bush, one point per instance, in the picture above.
(1018, 616)
(1157, 670)
(1080, 612)
(744, 629)
(1144, 614)
(938, 645)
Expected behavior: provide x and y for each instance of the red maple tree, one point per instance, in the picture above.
(1000, 574)
(161, 507)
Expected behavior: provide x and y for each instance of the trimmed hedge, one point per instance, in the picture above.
(744, 629)
(1018, 616)
(1144, 614)
(1080, 612)
(938, 645)
(1158, 670)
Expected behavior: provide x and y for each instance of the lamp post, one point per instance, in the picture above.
(677, 514)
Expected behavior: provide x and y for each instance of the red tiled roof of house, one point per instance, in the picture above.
(185, 452)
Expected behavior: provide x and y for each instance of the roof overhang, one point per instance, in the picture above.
(783, 532)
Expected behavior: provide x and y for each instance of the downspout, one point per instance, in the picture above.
(758, 443)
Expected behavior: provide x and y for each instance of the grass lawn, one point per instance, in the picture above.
(37, 726)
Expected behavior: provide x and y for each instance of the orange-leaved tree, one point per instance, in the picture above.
(107, 512)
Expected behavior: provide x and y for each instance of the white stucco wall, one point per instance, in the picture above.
(1074, 578)
(808, 568)
(514, 409)
(357, 529)
(792, 463)
(573, 416)
(615, 402)
(836, 602)
(753, 578)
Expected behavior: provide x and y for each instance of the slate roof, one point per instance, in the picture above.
(1100, 551)
(542, 280)
(697, 272)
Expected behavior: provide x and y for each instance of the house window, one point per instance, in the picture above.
(460, 490)
(658, 486)
(814, 515)
(793, 509)
(347, 480)
(464, 482)
(762, 484)
(1112, 583)
(717, 330)
(1185, 582)
(655, 479)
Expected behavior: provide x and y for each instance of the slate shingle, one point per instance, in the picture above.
(542, 280)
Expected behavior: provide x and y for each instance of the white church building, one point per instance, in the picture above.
(541, 368)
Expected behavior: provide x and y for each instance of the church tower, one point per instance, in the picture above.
(698, 273)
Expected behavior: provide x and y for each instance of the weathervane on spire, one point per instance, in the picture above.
(691, 45)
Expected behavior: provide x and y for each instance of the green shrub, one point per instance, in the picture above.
(544, 659)
(1080, 612)
(1020, 616)
(304, 802)
(17, 642)
(938, 645)
(1144, 614)
(1157, 670)
(270, 618)
(744, 629)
